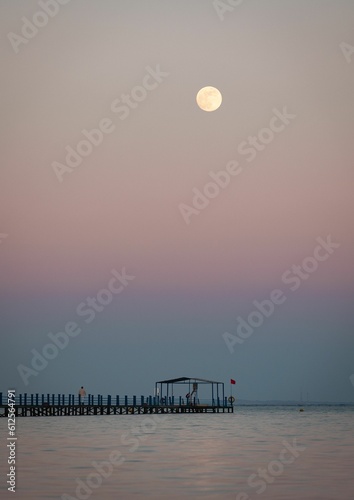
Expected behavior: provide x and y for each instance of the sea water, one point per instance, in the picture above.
(260, 452)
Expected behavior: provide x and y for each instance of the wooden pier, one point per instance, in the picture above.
(35, 405)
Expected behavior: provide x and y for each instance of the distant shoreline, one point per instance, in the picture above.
(244, 402)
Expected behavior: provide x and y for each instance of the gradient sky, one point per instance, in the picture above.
(120, 207)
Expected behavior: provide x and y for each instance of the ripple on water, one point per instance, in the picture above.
(209, 456)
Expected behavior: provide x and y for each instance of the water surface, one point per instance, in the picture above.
(187, 456)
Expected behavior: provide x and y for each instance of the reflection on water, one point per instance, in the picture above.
(242, 456)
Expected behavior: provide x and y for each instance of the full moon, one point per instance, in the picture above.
(209, 98)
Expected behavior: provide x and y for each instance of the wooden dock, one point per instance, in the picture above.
(48, 405)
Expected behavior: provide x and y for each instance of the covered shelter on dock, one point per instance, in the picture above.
(164, 389)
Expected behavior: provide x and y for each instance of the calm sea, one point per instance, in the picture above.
(257, 452)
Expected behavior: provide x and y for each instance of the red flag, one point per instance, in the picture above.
(232, 381)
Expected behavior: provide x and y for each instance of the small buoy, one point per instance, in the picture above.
(301, 409)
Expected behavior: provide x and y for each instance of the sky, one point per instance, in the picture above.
(137, 231)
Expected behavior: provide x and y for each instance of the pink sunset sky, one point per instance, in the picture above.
(120, 208)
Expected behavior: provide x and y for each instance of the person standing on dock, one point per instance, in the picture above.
(82, 394)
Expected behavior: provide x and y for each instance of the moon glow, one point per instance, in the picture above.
(209, 98)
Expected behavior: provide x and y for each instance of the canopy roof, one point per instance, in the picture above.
(185, 380)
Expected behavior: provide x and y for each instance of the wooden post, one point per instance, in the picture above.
(31, 399)
(109, 400)
(37, 396)
(0, 398)
(134, 400)
(20, 399)
(48, 398)
(126, 400)
(53, 399)
(117, 400)
(141, 400)
(180, 400)
(25, 399)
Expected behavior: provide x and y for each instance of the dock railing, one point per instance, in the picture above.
(37, 399)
